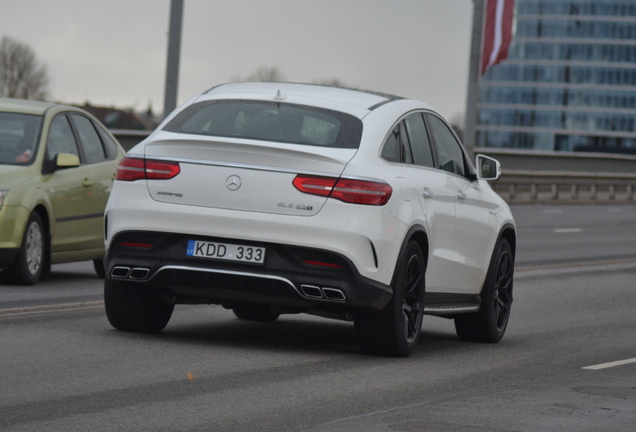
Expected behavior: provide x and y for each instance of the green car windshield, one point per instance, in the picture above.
(19, 135)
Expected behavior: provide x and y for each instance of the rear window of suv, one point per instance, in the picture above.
(269, 121)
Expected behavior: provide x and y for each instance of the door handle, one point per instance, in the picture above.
(427, 193)
(87, 183)
(461, 196)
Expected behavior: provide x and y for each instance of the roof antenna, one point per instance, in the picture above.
(280, 96)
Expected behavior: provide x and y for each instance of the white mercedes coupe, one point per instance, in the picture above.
(276, 198)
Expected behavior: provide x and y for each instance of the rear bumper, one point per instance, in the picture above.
(291, 276)
(366, 235)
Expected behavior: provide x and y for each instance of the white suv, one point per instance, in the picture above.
(273, 198)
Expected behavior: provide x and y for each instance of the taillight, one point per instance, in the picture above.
(131, 169)
(315, 185)
(347, 190)
(362, 192)
(161, 170)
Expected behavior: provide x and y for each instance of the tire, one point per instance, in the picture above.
(136, 307)
(395, 331)
(98, 264)
(30, 262)
(260, 313)
(490, 323)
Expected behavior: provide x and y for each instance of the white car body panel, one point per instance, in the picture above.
(265, 174)
(461, 232)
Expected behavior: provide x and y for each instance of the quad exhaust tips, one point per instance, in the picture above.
(308, 291)
(134, 273)
(324, 293)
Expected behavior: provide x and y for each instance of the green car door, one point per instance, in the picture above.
(78, 194)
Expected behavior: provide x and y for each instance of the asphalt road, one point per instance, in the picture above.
(566, 234)
(62, 367)
(548, 237)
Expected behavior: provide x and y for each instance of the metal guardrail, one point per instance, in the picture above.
(556, 161)
(564, 177)
(575, 187)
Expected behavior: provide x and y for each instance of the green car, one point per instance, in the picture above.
(57, 165)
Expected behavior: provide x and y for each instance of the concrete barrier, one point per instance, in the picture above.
(564, 177)
(575, 187)
(551, 161)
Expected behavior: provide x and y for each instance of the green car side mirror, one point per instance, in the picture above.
(66, 160)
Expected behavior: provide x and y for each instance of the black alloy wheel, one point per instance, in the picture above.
(490, 323)
(502, 297)
(412, 302)
(395, 331)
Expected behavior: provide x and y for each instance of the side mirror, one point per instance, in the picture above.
(487, 168)
(66, 160)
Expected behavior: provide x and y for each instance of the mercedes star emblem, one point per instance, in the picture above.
(233, 182)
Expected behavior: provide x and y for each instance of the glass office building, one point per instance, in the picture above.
(569, 82)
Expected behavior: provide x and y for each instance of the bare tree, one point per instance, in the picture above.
(21, 74)
(332, 82)
(263, 74)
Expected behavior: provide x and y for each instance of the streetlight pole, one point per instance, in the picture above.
(174, 49)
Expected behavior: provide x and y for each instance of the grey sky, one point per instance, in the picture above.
(114, 52)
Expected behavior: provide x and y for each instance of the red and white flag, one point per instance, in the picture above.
(497, 32)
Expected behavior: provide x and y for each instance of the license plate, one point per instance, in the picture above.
(225, 251)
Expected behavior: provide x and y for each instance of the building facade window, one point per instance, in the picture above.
(569, 82)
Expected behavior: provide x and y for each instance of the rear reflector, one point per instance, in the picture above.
(347, 190)
(131, 169)
(136, 245)
(323, 264)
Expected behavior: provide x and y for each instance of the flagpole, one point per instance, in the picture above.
(473, 77)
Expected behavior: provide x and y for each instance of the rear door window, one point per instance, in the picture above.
(397, 147)
(418, 138)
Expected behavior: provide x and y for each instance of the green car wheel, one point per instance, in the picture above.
(27, 267)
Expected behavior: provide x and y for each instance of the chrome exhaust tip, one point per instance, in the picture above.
(125, 272)
(311, 291)
(334, 294)
(120, 272)
(139, 273)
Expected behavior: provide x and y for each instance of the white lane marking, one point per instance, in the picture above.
(553, 211)
(567, 230)
(610, 364)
